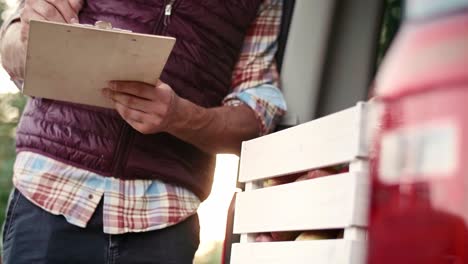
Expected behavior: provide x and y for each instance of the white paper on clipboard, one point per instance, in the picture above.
(72, 63)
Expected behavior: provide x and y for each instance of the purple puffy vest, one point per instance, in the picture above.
(209, 36)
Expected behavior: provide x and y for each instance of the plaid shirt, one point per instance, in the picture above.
(143, 205)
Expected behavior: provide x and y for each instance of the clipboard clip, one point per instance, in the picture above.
(104, 25)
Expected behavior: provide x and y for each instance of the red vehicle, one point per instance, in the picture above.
(419, 208)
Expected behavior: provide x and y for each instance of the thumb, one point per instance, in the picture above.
(76, 5)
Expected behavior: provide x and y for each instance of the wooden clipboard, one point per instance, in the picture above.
(71, 62)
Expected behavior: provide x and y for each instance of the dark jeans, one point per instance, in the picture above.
(32, 235)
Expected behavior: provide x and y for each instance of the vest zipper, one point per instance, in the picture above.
(121, 149)
(168, 12)
(165, 18)
(127, 134)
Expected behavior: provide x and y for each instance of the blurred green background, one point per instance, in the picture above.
(11, 106)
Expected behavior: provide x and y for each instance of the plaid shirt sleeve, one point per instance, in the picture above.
(255, 78)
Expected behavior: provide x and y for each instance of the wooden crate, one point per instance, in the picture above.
(338, 201)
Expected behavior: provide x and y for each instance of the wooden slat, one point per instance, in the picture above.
(362, 142)
(301, 252)
(361, 166)
(328, 202)
(323, 142)
(249, 237)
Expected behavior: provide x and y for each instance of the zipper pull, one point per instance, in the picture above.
(168, 12)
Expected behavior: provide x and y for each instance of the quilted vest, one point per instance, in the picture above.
(209, 35)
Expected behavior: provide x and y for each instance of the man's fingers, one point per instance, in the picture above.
(48, 11)
(137, 119)
(65, 9)
(145, 107)
(130, 101)
(27, 15)
(76, 5)
(138, 89)
(131, 114)
(141, 127)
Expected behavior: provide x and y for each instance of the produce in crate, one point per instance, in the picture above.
(291, 235)
(311, 235)
(263, 237)
(305, 175)
(318, 235)
(285, 236)
(316, 174)
(299, 236)
(282, 179)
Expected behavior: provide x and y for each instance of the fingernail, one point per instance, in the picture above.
(105, 92)
(112, 85)
(74, 20)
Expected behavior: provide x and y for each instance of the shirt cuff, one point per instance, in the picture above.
(267, 102)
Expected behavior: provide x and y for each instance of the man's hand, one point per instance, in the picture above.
(147, 108)
(15, 37)
(152, 109)
(65, 11)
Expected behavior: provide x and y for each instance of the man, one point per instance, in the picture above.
(104, 186)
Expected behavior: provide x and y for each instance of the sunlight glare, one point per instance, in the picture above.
(213, 212)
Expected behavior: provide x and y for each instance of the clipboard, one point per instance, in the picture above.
(72, 62)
